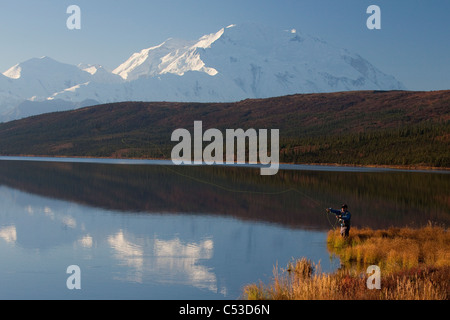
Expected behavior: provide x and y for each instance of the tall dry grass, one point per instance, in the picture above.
(414, 263)
(429, 284)
(394, 249)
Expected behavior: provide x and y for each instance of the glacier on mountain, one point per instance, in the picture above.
(237, 62)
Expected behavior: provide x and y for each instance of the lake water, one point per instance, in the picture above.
(150, 230)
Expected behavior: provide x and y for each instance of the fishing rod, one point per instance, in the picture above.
(328, 218)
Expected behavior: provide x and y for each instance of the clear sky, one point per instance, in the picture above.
(413, 43)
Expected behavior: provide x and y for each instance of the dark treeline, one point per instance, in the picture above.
(424, 144)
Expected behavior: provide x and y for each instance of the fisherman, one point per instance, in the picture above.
(344, 217)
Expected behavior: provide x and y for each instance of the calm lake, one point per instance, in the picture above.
(151, 230)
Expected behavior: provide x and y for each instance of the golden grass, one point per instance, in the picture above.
(414, 263)
(394, 249)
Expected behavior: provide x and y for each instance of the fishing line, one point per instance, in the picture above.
(169, 168)
(317, 203)
(335, 223)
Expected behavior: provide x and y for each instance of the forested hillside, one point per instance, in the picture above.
(362, 128)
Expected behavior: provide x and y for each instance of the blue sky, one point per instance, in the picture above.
(413, 44)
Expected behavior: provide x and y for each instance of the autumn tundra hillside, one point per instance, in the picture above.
(360, 128)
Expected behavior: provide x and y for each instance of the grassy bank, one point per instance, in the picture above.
(414, 264)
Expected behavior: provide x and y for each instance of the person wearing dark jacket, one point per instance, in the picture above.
(344, 217)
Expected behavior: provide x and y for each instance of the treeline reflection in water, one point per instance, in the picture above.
(292, 198)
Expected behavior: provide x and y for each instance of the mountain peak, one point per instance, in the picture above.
(240, 61)
(35, 65)
(174, 56)
(92, 68)
(207, 40)
(14, 72)
(147, 62)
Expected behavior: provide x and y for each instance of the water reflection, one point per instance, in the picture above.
(86, 241)
(291, 198)
(129, 254)
(168, 261)
(137, 256)
(9, 234)
(182, 262)
(145, 232)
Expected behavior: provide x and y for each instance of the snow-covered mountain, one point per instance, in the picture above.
(41, 77)
(235, 63)
(29, 88)
(100, 74)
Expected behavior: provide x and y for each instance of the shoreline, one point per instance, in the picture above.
(337, 165)
(397, 167)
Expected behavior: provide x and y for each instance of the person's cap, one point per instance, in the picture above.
(344, 206)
